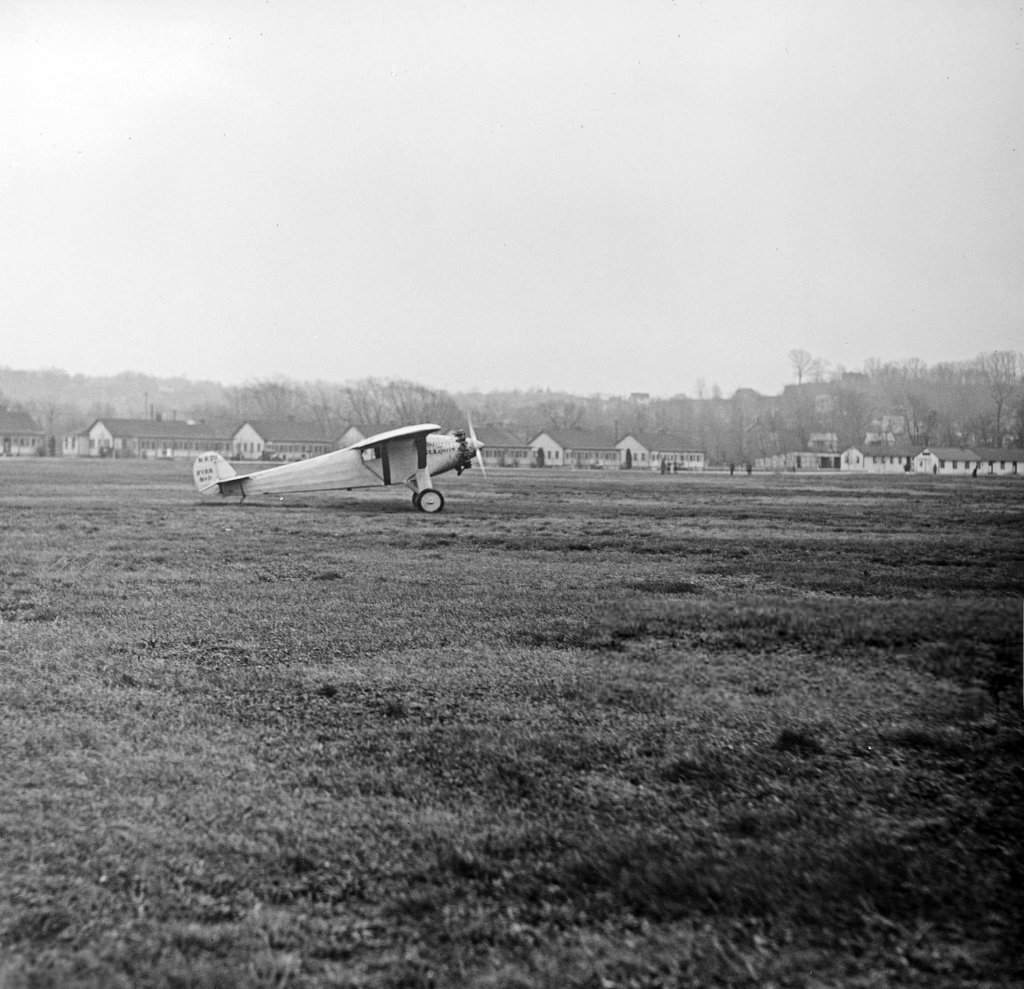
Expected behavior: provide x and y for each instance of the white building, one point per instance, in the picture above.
(279, 439)
(662, 451)
(955, 460)
(503, 447)
(19, 435)
(800, 461)
(148, 439)
(879, 458)
(1001, 461)
(546, 451)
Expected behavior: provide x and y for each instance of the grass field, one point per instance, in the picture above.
(581, 729)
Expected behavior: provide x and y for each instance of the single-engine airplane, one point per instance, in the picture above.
(410, 455)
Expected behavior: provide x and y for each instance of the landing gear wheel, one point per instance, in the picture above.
(416, 499)
(430, 501)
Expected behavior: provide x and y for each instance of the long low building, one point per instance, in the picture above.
(902, 459)
(800, 461)
(1001, 461)
(287, 439)
(504, 447)
(660, 451)
(945, 460)
(280, 439)
(581, 448)
(147, 439)
(574, 448)
(960, 461)
(879, 458)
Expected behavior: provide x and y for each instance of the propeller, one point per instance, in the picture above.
(469, 449)
(477, 446)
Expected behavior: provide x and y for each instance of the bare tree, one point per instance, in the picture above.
(1017, 418)
(365, 402)
(563, 413)
(907, 387)
(373, 402)
(958, 397)
(670, 414)
(326, 408)
(818, 369)
(410, 402)
(851, 415)
(742, 441)
(54, 416)
(713, 429)
(799, 417)
(802, 361)
(1001, 371)
(270, 399)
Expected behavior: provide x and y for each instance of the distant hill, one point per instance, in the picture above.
(128, 393)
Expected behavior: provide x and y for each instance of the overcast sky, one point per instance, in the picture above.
(597, 197)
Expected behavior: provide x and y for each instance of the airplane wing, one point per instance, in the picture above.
(395, 456)
(423, 429)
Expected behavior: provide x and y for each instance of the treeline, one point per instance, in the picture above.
(974, 402)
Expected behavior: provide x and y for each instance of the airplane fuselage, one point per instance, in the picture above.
(409, 455)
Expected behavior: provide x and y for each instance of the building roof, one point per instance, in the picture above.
(579, 439)
(497, 437)
(160, 429)
(17, 422)
(664, 442)
(1000, 453)
(951, 452)
(888, 449)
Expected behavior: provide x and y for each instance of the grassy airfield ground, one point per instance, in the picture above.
(581, 729)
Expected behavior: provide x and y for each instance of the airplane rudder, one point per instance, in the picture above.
(209, 468)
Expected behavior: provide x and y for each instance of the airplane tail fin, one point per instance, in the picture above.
(210, 470)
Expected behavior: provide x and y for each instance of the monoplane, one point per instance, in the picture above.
(410, 455)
